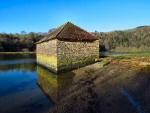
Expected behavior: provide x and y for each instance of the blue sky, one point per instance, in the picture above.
(100, 15)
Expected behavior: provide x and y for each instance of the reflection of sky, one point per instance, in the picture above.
(134, 102)
(14, 81)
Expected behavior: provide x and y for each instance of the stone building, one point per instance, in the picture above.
(67, 47)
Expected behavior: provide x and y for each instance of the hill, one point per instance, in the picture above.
(132, 40)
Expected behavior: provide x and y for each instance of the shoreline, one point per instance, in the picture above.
(17, 52)
(98, 89)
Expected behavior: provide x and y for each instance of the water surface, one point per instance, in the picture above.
(19, 90)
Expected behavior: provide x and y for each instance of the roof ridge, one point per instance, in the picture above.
(69, 31)
(80, 28)
(63, 26)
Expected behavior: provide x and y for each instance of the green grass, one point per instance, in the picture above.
(130, 55)
(104, 62)
(17, 52)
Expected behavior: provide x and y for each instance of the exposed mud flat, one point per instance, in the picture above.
(123, 86)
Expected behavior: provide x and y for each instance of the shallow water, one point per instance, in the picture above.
(113, 53)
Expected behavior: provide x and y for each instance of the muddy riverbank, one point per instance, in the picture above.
(122, 86)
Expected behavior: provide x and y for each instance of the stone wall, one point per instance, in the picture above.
(64, 55)
(47, 54)
(72, 55)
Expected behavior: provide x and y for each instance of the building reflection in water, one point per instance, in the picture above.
(53, 85)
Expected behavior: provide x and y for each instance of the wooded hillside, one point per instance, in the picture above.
(19, 42)
(132, 40)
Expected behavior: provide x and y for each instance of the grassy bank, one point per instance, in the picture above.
(130, 54)
(17, 52)
(131, 49)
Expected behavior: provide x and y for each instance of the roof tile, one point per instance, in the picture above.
(69, 32)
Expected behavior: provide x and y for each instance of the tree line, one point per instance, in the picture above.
(19, 42)
(134, 40)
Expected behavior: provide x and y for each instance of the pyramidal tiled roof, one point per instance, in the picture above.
(69, 32)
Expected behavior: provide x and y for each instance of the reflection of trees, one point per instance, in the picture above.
(22, 66)
(16, 56)
(54, 86)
